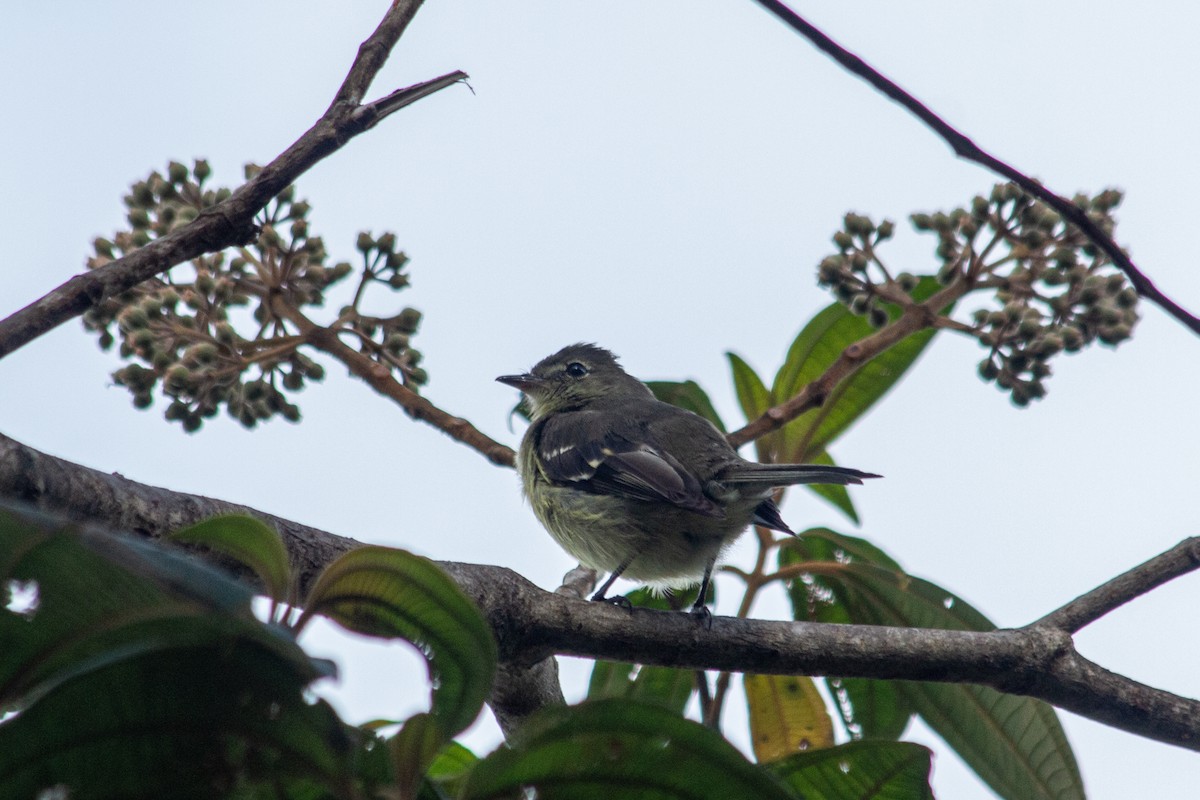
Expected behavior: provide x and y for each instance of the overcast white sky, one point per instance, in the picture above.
(660, 178)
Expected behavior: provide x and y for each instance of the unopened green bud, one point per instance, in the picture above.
(843, 241)
(885, 231)
(857, 224)
(907, 281)
(365, 242)
(988, 370)
(1072, 338)
(1127, 297)
(138, 218)
(408, 320)
(921, 221)
(132, 319)
(176, 172)
(877, 318)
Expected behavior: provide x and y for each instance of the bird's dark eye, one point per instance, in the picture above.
(576, 370)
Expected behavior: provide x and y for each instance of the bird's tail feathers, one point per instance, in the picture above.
(788, 474)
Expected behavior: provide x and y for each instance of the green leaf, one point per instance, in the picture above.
(250, 542)
(389, 593)
(662, 686)
(752, 394)
(814, 350)
(860, 771)
(451, 767)
(141, 672)
(614, 749)
(1015, 744)
(413, 750)
(873, 709)
(687, 395)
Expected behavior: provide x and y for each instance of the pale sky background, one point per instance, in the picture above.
(661, 178)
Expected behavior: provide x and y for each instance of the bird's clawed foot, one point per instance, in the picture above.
(702, 613)
(616, 600)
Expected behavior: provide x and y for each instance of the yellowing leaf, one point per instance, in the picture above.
(787, 715)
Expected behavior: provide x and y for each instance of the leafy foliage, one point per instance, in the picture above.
(1015, 744)
(170, 685)
(619, 749)
(173, 687)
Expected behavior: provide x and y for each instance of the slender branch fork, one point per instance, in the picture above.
(532, 625)
(965, 148)
(231, 222)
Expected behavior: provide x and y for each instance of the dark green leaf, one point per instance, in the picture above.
(249, 541)
(874, 709)
(614, 749)
(142, 673)
(413, 750)
(389, 593)
(1015, 744)
(860, 771)
(753, 395)
(687, 395)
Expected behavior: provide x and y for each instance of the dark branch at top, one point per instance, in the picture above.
(965, 148)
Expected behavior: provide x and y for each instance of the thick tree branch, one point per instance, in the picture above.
(231, 222)
(965, 148)
(531, 625)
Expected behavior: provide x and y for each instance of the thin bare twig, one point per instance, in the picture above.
(965, 148)
(231, 222)
(913, 318)
(1091, 606)
(379, 378)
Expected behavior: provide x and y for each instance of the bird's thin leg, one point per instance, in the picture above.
(600, 595)
(700, 607)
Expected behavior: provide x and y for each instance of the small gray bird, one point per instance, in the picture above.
(635, 487)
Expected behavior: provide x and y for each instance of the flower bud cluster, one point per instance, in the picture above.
(1053, 290)
(854, 274)
(223, 336)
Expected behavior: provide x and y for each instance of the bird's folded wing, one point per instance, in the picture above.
(589, 451)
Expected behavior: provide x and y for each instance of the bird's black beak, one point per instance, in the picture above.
(524, 382)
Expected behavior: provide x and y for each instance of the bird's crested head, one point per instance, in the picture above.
(575, 377)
